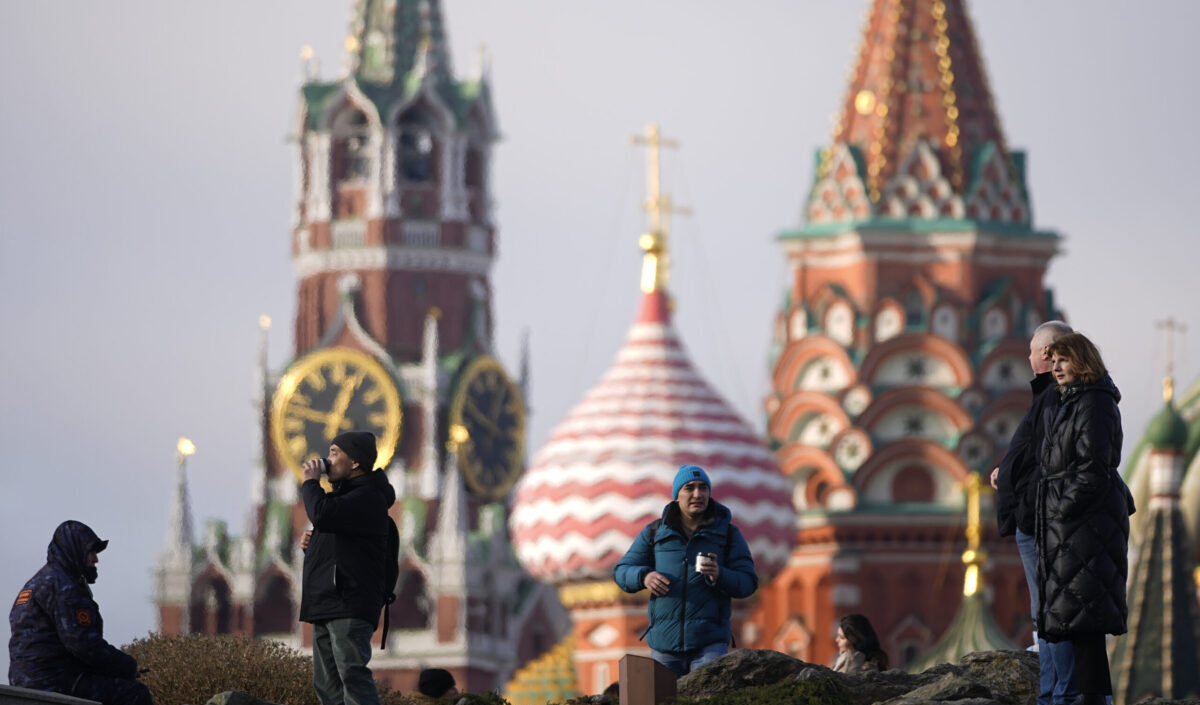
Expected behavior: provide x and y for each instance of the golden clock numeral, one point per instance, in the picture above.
(316, 381)
(337, 373)
(301, 399)
(372, 395)
(297, 446)
(293, 424)
(378, 419)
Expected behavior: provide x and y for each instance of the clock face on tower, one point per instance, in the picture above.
(487, 422)
(328, 392)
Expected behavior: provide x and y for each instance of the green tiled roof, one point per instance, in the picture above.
(917, 225)
(973, 629)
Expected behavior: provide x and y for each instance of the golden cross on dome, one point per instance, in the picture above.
(974, 556)
(1172, 326)
(656, 261)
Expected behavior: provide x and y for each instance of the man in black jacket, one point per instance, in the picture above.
(1016, 483)
(343, 589)
(57, 639)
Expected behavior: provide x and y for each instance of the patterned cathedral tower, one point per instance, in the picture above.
(393, 241)
(899, 357)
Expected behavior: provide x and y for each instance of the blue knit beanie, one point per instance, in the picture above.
(686, 474)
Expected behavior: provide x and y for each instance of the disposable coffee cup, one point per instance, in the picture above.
(701, 559)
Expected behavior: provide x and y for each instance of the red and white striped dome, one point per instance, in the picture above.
(607, 469)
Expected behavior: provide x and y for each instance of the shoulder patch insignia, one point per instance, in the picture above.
(83, 617)
(23, 597)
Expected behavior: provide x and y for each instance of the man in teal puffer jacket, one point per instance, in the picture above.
(689, 601)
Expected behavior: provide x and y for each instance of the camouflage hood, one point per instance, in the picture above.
(69, 548)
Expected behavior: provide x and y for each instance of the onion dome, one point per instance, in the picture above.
(1167, 430)
(606, 471)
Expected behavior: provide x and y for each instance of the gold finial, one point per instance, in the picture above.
(1172, 327)
(306, 52)
(351, 44)
(974, 557)
(656, 261)
(183, 448)
(264, 321)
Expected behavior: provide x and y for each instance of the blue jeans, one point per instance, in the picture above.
(341, 650)
(1057, 660)
(684, 662)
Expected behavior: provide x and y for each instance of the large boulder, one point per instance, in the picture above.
(740, 668)
(984, 678)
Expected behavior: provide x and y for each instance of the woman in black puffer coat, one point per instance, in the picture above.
(1083, 509)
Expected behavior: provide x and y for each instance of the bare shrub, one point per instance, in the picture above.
(188, 670)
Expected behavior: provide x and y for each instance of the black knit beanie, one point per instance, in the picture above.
(360, 446)
(435, 682)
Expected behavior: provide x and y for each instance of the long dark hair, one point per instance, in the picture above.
(861, 635)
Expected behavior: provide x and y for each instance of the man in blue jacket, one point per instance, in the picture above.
(57, 641)
(689, 601)
(343, 587)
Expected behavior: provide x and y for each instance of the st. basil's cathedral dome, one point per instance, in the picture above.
(606, 471)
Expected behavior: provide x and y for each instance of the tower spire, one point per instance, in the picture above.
(973, 628)
(1172, 327)
(975, 556)
(389, 38)
(656, 262)
(919, 126)
(178, 550)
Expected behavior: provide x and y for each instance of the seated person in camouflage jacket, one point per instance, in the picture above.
(57, 639)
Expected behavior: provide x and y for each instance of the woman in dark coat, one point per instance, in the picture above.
(1083, 510)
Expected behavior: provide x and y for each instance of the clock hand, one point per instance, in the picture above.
(337, 415)
(306, 413)
(482, 419)
(496, 405)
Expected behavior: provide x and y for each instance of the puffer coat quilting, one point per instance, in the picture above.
(1083, 510)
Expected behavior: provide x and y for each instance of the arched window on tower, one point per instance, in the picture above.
(914, 308)
(912, 484)
(211, 611)
(351, 163)
(273, 607)
(413, 606)
(415, 163)
(418, 152)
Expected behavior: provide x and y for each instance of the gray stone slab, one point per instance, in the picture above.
(12, 695)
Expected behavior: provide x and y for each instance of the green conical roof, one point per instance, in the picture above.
(387, 37)
(973, 629)
(394, 47)
(1167, 430)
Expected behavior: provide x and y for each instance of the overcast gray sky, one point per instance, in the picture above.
(145, 185)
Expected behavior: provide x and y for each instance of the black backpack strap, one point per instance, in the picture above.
(391, 574)
(654, 530)
(387, 614)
